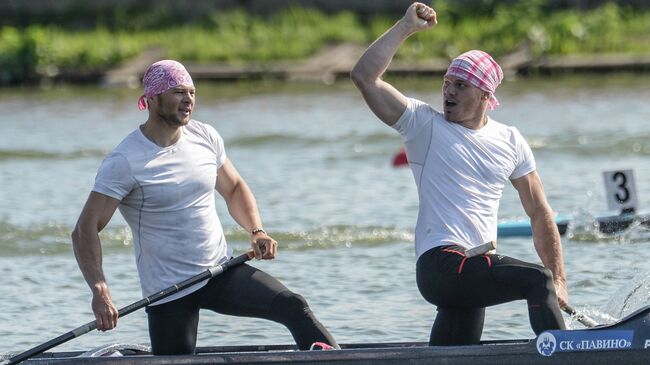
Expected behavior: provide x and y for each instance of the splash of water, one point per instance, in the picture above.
(631, 297)
(600, 317)
(584, 227)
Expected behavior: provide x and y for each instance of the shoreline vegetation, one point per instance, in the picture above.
(307, 44)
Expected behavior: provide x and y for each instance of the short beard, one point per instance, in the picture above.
(170, 120)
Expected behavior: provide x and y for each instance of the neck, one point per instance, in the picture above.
(160, 133)
(476, 123)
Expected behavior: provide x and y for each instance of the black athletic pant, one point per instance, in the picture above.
(462, 287)
(241, 291)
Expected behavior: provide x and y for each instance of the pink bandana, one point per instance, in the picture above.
(162, 76)
(479, 69)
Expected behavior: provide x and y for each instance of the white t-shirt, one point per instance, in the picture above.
(167, 198)
(460, 174)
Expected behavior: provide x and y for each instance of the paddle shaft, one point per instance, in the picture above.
(581, 317)
(81, 330)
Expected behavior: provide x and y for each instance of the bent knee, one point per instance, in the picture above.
(544, 278)
(546, 275)
(290, 302)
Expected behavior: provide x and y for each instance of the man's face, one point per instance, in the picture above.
(175, 105)
(462, 102)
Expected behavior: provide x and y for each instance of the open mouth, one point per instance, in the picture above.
(450, 103)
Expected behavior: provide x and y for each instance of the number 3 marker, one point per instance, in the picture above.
(621, 190)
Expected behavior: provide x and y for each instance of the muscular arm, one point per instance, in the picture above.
(243, 208)
(545, 233)
(384, 100)
(95, 215)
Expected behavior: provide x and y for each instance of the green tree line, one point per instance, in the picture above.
(31, 52)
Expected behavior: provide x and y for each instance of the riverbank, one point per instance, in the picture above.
(335, 62)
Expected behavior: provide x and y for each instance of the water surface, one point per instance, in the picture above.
(319, 164)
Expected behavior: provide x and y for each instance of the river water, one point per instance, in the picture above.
(319, 164)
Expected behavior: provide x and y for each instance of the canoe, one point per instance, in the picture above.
(624, 342)
(608, 223)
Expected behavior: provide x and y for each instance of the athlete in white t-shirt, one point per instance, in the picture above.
(163, 178)
(461, 159)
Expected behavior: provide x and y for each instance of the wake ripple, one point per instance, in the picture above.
(54, 239)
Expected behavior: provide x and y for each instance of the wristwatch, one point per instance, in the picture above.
(257, 230)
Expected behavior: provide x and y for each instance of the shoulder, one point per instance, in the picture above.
(207, 136)
(416, 114)
(116, 163)
(425, 112)
(521, 152)
(505, 132)
(134, 143)
(421, 106)
(114, 176)
(202, 129)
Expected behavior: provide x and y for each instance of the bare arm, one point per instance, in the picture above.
(243, 208)
(545, 233)
(384, 100)
(95, 215)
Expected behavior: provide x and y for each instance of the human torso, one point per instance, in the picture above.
(167, 198)
(460, 174)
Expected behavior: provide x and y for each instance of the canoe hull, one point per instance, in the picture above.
(522, 353)
(624, 342)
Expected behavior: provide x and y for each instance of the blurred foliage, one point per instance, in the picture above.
(235, 37)
(38, 51)
(606, 29)
(498, 26)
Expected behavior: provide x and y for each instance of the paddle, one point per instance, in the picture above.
(207, 274)
(580, 317)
